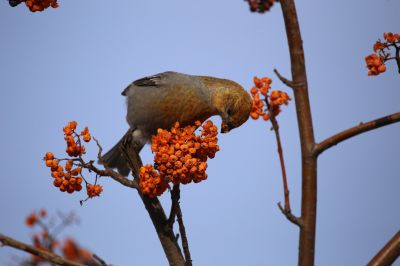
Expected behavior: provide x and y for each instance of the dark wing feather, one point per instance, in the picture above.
(150, 81)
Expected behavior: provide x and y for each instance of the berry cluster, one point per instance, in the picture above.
(93, 190)
(74, 147)
(46, 239)
(180, 157)
(40, 5)
(273, 99)
(69, 178)
(376, 62)
(261, 6)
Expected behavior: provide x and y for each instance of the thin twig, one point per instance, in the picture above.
(111, 173)
(288, 82)
(356, 130)
(284, 80)
(389, 253)
(100, 260)
(185, 244)
(286, 210)
(46, 255)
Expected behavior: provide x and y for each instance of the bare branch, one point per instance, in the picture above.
(356, 130)
(185, 244)
(154, 208)
(46, 255)
(389, 253)
(108, 171)
(111, 173)
(307, 140)
(286, 210)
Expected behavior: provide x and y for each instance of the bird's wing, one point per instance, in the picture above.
(149, 81)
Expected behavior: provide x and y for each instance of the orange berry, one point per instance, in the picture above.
(67, 130)
(72, 125)
(54, 174)
(31, 220)
(87, 137)
(49, 156)
(381, 68)
(76, 171)
(57, 182)
(68, 165)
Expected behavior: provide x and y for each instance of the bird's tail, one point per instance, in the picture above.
(114, 158)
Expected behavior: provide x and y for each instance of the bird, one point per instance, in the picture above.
(161, 100)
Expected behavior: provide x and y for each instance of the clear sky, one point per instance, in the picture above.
(72, 63)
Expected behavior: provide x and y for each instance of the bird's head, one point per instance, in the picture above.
(232, 102)
(236, 110)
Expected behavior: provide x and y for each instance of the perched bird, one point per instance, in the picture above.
(160, 100)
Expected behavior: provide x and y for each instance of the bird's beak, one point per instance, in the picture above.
(224, 127)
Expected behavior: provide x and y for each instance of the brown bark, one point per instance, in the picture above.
(356, 130)
(389, 253)
(307, 142)
(156, 212)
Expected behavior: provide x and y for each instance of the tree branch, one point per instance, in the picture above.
(154, 208)
(185, 244)
(111, 173)
(356, 130)
(108, 171)
(306, 132)
(389, 253)
(46, 255)
(286, 210)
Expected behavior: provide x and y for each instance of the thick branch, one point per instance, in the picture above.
(154, 208)
(389, 253)
(307, 142)
(46, 255)
(357, 130)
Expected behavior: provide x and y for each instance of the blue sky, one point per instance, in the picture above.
(72, 63)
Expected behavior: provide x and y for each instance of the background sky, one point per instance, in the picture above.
(72, 63)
